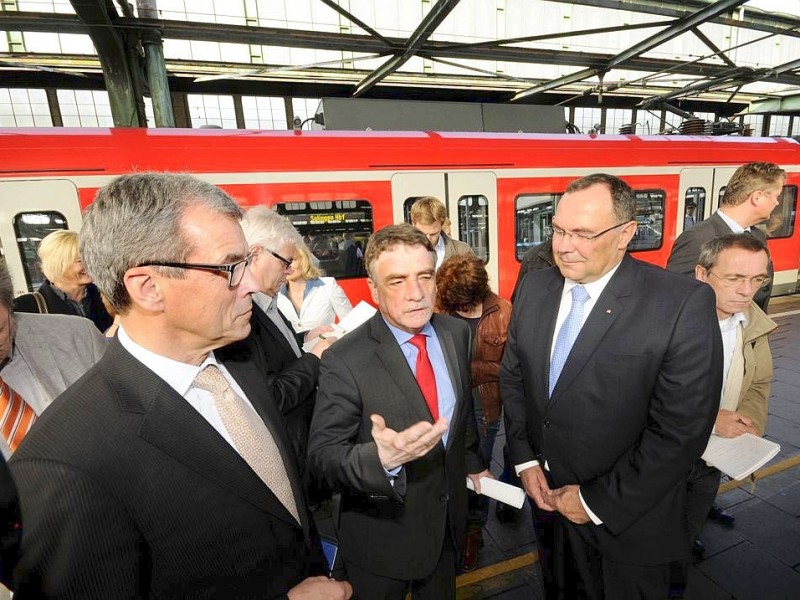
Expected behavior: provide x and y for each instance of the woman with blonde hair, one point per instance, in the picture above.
(307, 299)
(68, 288)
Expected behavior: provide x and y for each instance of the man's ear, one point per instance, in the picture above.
(701, 274)
(627, 234)
(145, 288)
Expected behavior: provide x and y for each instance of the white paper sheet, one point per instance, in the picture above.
(504, 492)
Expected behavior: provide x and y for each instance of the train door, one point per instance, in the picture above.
(471, 200)
(29, 210)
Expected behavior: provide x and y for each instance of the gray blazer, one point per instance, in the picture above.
(58, 350)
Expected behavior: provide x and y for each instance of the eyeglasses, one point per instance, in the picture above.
(287, 264)
(557, 232)
(732, 281)
(235, 270)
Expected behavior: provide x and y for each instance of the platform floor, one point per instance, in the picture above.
(758, 558)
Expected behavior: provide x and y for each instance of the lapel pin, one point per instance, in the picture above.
(608, 311)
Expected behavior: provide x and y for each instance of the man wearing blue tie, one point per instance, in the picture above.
(610, 382)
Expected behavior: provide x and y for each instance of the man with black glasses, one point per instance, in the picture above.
(166, 471)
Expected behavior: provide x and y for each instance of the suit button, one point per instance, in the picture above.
(444, 498)
(546, 424)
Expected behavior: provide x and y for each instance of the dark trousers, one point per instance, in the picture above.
(439, 585)
(701, 488)
(574, 569)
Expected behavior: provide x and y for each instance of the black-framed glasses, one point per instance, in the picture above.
(732, 281)
(235, 270)
(287, 264)
(556, 232)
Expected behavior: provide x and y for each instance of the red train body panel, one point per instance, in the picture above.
(496, 185)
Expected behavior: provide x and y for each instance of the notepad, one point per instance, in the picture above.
(740, 456)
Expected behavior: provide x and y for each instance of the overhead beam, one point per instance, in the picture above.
(677, 28)
(670, 33)
(99, 15)
(420, 35)
(753, 18)
(356, 21)
(713, 47)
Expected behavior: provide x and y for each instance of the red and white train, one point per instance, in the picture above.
(500, 189)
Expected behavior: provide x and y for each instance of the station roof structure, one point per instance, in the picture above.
(725, 56)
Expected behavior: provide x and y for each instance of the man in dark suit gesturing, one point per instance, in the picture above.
(166, 470)
(394, 430)
(610, 383)
(750, 197)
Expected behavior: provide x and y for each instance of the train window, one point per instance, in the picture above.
(30, 228)
(533, 213)
(335, 231)
(473, 224)
(694, 206)
(781, 223)
(649, 220)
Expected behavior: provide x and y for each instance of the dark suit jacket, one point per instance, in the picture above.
(633, 408)
(293, 380)
(9, 523)
(127, 492)
(397, 531)
(686, 251)
(95, 311)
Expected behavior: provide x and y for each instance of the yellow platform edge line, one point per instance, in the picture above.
(529, 558)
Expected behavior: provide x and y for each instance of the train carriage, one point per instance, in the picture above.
(500, 189)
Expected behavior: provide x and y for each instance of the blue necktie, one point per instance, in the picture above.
(567, 335)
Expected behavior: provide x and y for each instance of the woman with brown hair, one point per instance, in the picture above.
(463, 292)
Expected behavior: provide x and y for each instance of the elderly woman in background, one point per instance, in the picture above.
(463, 292)
(307, 299)
(68, 288)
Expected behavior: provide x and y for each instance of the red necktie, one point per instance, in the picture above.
(425, 377)
(16, 416)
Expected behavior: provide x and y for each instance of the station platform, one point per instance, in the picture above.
(758, 558)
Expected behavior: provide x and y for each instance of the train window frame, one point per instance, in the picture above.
(641, 224)
(47, 218)
(698, 195)
(333, 262)
(545, 198)
(476, 237)
(789, 192)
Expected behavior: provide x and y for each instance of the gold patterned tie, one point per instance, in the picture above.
(250, 435)
(16, 416)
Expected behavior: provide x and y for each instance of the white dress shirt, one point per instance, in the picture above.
(180, 376)
(594, 289)
(323, 301)
(270, 306)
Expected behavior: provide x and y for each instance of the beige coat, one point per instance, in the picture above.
(757, 367)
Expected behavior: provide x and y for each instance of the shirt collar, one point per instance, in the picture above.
(179, 376)
(734, 226)
(264, 302)
(595, 288)
(733, 321)
(403, 336)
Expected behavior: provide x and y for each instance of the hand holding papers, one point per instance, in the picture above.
(498, 490)
(361, 313)
(740, 456)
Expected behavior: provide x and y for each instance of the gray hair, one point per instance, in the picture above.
(266, 228)
(710, 251)
(623, 198)
(136, 219)
(6, 288)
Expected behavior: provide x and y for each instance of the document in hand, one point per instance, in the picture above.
(510, 494)
(738, 457)
(361, 313)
